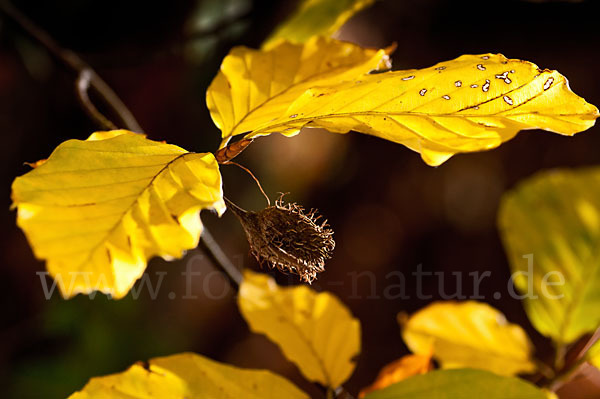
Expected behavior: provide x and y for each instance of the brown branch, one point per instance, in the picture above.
(576, 364)
(77, 64)
(88, 78)
(83, 86)
(218, 256)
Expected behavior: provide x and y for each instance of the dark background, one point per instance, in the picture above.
(389, 210)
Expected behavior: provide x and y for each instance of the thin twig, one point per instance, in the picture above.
(219, 257)
(590, 342)
(82, 86)
(86, 78)
(77, 64)
(577, 364)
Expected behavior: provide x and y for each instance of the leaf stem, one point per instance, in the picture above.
(88, 78)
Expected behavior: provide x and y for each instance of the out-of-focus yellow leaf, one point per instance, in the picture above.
(192, 376)
(399, 370)
(97, 209)
(460, 384)
(316, 17)
(472, 103)
(550, 225)
(469, 334)
(254, 87)
(593, 355)
(314, 330)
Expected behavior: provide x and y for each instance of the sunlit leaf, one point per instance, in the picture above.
(314, 330)
(469, 334)
(550, 225)
(188, 375)
(472, 103)
(254, 87)
(98, 209)
(459, 384)
(401, 369)
(316, 17)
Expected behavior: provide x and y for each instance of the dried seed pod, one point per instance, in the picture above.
(288, 238)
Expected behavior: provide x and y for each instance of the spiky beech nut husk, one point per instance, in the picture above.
(287, 237)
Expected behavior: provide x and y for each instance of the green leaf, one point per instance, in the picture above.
(550, 225)
(98, 209)
(459, 384)
(469, 334)
(314, 330)
(316, 17)
(188, 375)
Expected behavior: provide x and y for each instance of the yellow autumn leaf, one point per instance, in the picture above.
(593, 355)
(254, 87)
(315, 17)
(98, 209)
(314, 330)
(472, 103)
(399, 370)
(550, 226)
(192, 376)
(469, 334)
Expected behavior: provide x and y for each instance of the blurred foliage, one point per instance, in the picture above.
(189, 376)
(469, 334)
(314, 18)
(85, 335)
(211, 22)
(550, 225)
(450, 384)
(316, 331)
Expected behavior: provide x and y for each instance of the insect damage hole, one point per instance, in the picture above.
(486, 86)
(446, 97)
(458, 83)
(481, 67)
(408, 77)
(422, 92)
(548, 83)
(508, 100)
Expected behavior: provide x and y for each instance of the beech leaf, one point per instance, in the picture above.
(469, 334)
(316, 17)
(398, 370)
(98, 209)
(550, 226)
(472, 103)
(459, 384)
(254, 87)
(593, 355)
(188, 375)
(314, 330)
